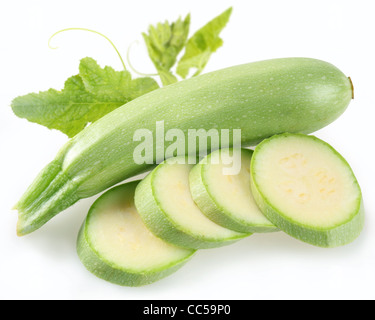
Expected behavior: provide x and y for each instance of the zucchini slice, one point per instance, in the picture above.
(307, 189)
(226, 198)
(164, 201)
(115, 245)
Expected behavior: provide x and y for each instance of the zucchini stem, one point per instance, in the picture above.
(351, 84)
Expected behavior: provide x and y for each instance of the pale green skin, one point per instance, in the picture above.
(109, 270)
(160, 223)
(262, 99)
(211, 206)
(339, 235)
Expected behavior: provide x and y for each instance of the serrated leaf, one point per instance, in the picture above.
(164, 42)
(202, 44)
(85, 98)
(108, 84)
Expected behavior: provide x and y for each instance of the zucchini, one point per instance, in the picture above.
(114, 244)
(164, 202)
(262, 99)
(226, 198)
(307, 189)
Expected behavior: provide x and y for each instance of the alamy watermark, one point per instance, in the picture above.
(189, 146)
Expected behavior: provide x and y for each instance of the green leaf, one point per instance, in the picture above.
(110, 85)
(202, 44)
(85, 98)
(164, 42)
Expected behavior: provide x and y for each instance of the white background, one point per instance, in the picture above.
(44, 264)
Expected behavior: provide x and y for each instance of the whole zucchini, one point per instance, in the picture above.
(296, 95)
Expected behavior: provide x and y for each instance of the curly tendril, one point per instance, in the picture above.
(88, 30)
(131, 66)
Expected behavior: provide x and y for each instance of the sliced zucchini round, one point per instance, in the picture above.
(307, 189)
(164, 201)
(115, 245)
(226, 198)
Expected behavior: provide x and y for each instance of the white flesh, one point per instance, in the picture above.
(171, 185)
(119, 235)
(307, 182)
(233, 192)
